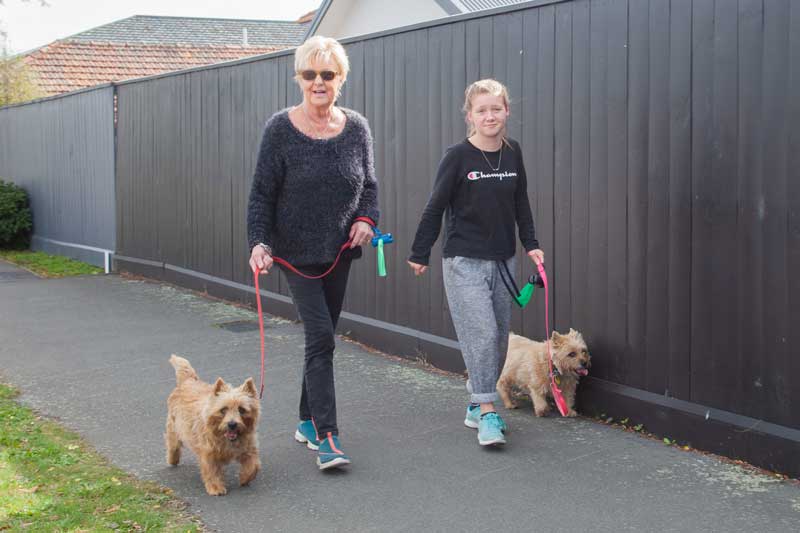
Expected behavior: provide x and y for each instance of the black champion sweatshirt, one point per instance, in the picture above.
(482, 205)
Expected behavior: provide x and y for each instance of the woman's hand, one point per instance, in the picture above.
(537, 256)
(260, 260)
(360, 234)
(417, 268)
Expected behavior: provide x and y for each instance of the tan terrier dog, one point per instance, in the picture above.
(527, 368)
(217, 422)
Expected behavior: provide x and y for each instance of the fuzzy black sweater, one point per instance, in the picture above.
(307, 192)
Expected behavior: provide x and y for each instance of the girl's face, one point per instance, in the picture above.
(318, 91)
(488, 115)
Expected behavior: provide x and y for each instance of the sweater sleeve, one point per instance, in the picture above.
(368, 203)
(267, 181)
(431, 222)
(527, 232)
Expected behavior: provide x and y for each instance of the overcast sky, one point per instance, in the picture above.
(29, 25)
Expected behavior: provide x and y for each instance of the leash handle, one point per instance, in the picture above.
(381, 260)
(261, 330)
(557, 396)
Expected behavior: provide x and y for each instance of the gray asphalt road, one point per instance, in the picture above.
(92, 351)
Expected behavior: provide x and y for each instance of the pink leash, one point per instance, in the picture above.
(557, 396)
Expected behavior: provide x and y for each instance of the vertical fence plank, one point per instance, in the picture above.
(777, 353)
(598, 262)
(637, 187)
(581, 150)
(679, 316)
(617, 305)
(562, 170)
(702, 136)
(793, 208)
(657, 247)
(751, 185)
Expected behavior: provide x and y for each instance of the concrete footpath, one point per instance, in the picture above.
(92, 352)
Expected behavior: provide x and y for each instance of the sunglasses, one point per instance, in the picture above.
(311, 75)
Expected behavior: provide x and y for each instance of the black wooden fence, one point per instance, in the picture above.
(61, 150)
(662, 143)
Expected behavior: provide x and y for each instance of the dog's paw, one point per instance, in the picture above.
(216, 490)
(541, 412)
(572, 413)
(511, 405)
(246, 476)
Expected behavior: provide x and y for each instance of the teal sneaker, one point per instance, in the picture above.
(473, 418)
(330, 454)
(307, 433)
(489, 431)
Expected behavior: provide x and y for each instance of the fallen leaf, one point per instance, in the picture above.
(30, 490)
(112, 509)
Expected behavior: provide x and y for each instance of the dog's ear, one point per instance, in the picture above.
(249, 387)
(557, 338)
(572, 331)
(220, 386)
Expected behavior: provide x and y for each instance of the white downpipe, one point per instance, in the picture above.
(106, 253)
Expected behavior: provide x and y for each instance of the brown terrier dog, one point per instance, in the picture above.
(217, 422)
(527, 368)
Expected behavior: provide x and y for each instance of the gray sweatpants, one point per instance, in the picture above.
(480, 306)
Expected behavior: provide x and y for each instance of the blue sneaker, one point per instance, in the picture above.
(473, 418)
(330, 454)
(489, 431)
(307, 434)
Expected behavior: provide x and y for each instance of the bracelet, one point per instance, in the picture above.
(266, 248)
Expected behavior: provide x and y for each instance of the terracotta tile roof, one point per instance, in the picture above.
(70, 65)
(308, 17)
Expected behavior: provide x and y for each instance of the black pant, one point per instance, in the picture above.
(319, 303)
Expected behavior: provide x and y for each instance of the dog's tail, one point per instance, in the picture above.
(183, 370)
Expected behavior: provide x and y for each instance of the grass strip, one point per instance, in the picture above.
(51, 481)
(50, 266)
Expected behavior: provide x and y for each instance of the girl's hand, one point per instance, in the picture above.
(417, 268)
(537, 256)
(360, 234)
(260, 260)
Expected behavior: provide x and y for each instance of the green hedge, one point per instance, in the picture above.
(16, 220)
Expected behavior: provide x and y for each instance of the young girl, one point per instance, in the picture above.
(481, 184)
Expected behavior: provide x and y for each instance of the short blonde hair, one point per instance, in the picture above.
(324, 49)
(487, 86)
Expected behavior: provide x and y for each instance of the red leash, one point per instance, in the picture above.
(258, 300)
(288, 265)
(557, 396)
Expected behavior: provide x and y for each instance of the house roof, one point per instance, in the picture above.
(147, 45)
(470, 6)
(71, 65)
(196, 31)
(451, 7)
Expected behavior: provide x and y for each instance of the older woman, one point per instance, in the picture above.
(314, 190)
